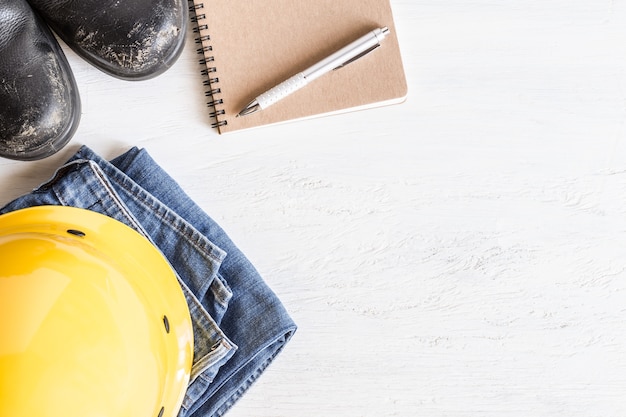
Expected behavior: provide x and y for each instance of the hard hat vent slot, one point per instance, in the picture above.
(166, 323)
(161, 412)
(76, 232)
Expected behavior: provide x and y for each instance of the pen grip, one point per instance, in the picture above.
(282, 90)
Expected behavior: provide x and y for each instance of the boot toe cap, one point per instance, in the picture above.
(38, 133)
(132, 39)
(39, 100)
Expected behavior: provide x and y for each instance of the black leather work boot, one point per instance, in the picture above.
(129, 39)
(39, 102)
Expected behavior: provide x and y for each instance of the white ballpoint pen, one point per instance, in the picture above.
(344, 56)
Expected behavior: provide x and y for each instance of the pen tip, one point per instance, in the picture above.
(252, 107)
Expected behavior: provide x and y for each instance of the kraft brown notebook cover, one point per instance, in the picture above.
(249, 46)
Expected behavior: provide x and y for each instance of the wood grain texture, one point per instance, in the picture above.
(461, 254)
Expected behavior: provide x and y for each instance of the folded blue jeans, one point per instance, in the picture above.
(239, 323)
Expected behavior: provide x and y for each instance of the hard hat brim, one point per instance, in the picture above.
(136, 267)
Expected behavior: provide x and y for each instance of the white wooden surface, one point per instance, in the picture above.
(461, 254)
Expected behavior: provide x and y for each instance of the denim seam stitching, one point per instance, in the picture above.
(225, 294)
(59, 173)
(121, 206)
(243, 388)
(284, 336)
(191, 235)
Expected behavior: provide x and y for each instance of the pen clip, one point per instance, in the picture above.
(354, 58)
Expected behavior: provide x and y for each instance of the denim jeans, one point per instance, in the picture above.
(239, 323)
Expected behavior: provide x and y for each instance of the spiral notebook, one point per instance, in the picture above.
(249, 46)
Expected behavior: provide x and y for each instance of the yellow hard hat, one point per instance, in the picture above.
(93, 322)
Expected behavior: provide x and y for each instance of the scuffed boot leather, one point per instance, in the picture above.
(39, 102)
(129, 39)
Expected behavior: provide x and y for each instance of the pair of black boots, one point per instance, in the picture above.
(39, 99)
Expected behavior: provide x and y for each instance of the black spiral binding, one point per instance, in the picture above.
(208, 70)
